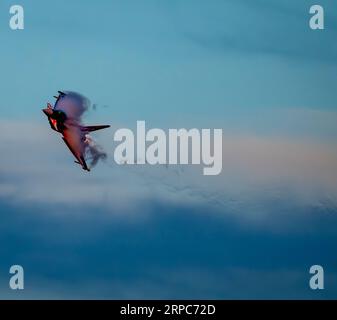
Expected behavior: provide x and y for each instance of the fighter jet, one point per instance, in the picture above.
(65, 118)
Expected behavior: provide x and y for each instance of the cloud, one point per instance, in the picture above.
(257, 170)
(171, 255)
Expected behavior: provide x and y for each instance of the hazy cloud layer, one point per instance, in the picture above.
(157, 232)
(257, 171)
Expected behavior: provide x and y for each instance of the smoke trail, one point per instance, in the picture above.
(95, 151)
(96, 106)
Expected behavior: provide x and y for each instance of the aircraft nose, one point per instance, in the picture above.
(47, 112)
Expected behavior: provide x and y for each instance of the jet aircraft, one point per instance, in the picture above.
(65, 118)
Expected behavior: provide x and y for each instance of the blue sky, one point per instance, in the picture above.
(254, 69)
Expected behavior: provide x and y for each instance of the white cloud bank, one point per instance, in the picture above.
(37, 168)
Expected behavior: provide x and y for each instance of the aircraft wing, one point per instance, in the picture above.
(73, 138)
(93, 128)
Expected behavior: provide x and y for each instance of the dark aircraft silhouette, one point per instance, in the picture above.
(65, 118)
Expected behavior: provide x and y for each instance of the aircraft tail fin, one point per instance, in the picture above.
(94, 128)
